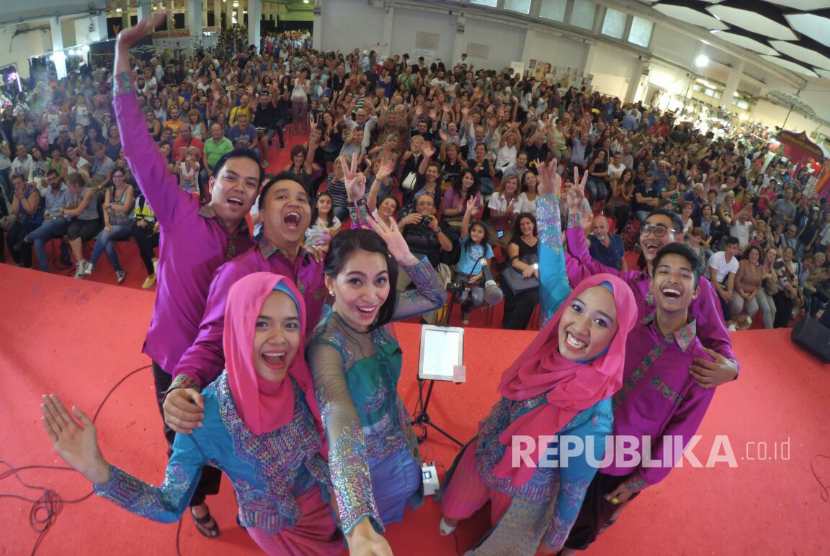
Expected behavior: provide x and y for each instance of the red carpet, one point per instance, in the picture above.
(78, 338)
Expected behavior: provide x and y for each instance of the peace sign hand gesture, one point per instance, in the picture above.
(550, 182)
(355, 181)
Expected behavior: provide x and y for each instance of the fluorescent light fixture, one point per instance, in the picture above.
(702, 60)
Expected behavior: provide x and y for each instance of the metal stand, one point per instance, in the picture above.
(422, 418)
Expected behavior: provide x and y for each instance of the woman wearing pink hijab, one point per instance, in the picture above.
(261, 427)
(561, 385)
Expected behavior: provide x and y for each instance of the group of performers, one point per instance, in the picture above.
(277, 365)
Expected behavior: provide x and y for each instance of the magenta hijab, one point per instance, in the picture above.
(263, 405)
(569, 386)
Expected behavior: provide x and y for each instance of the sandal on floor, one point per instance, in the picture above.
(206, 525)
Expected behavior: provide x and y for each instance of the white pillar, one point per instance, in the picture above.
(193, 13)
(385, 49)
(459, 43)
(254, 17)
(728, 96)
(637, 82)
(217, 14)
(229, 13)
(317, 26)
(99, 22)
(58, 57)
(145, 9)
(590, 57)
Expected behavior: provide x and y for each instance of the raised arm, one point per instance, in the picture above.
(553, 277)
(75, 440)
(159, 186)
(348, 463)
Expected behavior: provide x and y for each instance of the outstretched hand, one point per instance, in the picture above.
(395, 241)
(74, 439)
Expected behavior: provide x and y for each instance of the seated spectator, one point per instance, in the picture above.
(472, 272)
(744, 302)
(25, 216)
(216, 146)
(85, 221)
(324, 224)
(503, 207)
(522, 256)
(57, 197)
(527, 198)
(788, 297)
(243, 129)
(118, 205)
(184, 143)
(145, 232)
(454, 203)
(428, 236)
(723, 266)
(606, 247)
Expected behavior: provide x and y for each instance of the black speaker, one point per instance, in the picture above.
(813, 336)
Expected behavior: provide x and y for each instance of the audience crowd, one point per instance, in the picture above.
(451, 153)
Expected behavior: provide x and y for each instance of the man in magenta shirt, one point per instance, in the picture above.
(194, 240)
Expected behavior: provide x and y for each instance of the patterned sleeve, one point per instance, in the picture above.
(576, 474)
(348, 465)
(164, 503)
(429, 293)
(553, 277)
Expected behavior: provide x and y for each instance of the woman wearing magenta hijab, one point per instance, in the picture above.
(560, 385)
(261, 428)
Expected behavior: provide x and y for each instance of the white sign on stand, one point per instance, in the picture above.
(442, 354)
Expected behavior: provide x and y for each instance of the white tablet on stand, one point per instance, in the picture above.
(442, 354)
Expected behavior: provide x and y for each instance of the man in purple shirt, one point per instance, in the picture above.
(194, 240)
(286, 214)
(659, 401)
(659, 229)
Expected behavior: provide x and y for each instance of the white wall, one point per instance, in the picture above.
(350, 24)
(505, 42)
(612, 68)
(407, 23)
(546, 46)
(17, 50)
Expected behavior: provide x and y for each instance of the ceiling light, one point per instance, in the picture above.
(702, 60)
(118, 10)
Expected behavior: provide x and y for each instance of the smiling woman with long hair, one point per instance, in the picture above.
(356, 363)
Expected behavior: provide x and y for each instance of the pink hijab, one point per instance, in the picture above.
(571, 386)
(264, 406)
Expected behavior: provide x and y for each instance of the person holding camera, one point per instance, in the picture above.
(474, 284)
(429, 237)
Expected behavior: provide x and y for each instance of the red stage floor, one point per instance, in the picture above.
(78, 338)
